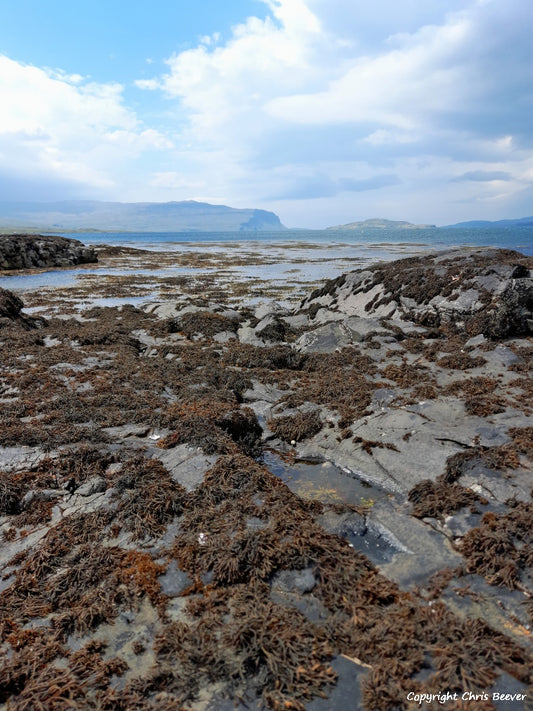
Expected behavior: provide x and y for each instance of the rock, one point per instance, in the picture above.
(10, 305)
(475, 341)
(18, 458)
(271, 328)
(337, 334)
(187, 465)
(40, 495)
(23, 251)
(131, 430)
(11, 312)
(94, 485)
(174, 581)
(296, 321)
(301, 581)
(326, 339)
(246, 334)
(224, 336)
(270, 308)
(425, 551)
(481, 291)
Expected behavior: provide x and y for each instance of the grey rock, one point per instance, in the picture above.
(425, 551)
(460, 523)
(14, 458)
(167, 309)
(271, 329)
(347, 692)
(94, 485)
(187, 465)
(262, 391)
(297, 321)
(174, 581)
(224, 336)
(475, 341)
(373, 293)
(40, 495)
(301, 581)
(325, 339)
(325, 315)
(269, 308)
(122, 431)
(246, 334)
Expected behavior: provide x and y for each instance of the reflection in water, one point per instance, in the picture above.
(324, 482)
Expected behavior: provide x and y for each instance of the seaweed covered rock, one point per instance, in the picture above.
(10, 305)
(488, 291)
(11, 311)
(21, 251)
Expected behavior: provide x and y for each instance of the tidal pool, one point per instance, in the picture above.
(323, 481)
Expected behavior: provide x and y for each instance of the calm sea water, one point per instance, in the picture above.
(519, 238)
(291, 257)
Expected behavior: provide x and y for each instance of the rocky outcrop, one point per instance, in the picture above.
(19, 251)
(482, 291)
(10, 305)
(11, 311)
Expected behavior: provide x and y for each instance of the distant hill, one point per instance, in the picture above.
(86, 215)
(521, 222)
(381, 224)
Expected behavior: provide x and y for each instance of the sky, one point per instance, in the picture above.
(323, 111)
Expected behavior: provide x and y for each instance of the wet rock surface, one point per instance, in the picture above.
(21, 251)
(330, 501)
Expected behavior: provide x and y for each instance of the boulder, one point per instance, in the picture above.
(11, 312)
(10, 305)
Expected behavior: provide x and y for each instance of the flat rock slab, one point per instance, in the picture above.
(416, 441)
(20, 457)
(187, 465)
(425, 551)
(174, 581)
(337, 334)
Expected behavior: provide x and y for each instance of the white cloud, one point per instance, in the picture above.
(390, 90)
(340, 109)
(66, 127)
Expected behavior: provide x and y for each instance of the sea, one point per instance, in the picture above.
(519, 238)
(294, 256)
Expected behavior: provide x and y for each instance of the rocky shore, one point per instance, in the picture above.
(21, 251)
(158, 553)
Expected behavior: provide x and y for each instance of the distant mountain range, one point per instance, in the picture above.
(87, 215)
(521, 222)
(184, 216)
(381, 224)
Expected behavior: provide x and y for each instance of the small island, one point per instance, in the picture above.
(379, 223)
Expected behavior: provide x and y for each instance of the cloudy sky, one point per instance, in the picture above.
(325, 111)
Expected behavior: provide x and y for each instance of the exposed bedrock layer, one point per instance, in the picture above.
(481, 291)
(19, 251)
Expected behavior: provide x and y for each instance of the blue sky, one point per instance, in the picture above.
(325, 111)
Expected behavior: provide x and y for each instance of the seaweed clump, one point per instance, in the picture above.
(215, 426)
(295, 428)
(437, 499)
(501, 547)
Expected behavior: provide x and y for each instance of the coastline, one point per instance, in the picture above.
(269, 575)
